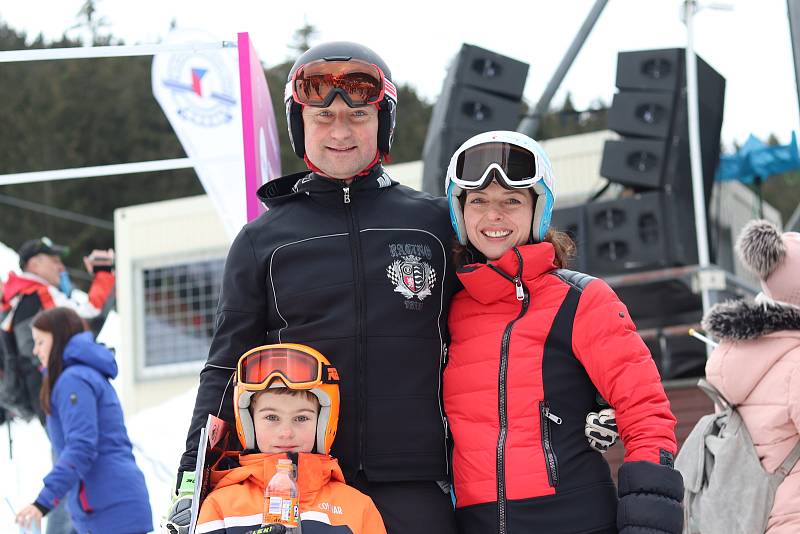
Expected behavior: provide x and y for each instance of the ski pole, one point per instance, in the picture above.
(10, 442)
(13, 512)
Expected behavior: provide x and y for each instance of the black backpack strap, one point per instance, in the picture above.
(575, 279)
(561, 330)
(559, 339)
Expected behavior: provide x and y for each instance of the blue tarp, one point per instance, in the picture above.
(758, 159)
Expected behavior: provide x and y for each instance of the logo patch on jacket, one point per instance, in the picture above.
(412, 277)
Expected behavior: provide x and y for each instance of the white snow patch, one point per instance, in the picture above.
(158, 435)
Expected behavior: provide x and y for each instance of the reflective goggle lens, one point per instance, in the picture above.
(317, 83)
(517, 163)
(294, 367)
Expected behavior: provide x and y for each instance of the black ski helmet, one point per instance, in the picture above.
(340, 51)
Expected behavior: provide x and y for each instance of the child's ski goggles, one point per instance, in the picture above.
(359, 83)
(297, 366)
(515, 167)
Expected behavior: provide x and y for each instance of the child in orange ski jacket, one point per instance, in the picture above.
(286, 403)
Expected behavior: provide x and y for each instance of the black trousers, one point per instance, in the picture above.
(410, 507)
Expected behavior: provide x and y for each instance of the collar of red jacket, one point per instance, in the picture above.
(486, 285)
(313, 471)
(20, 284)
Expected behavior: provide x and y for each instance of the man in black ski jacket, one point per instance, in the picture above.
(355, 265)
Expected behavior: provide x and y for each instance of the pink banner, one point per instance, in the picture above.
(262, 160)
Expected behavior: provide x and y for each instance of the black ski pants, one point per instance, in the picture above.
(410, 507)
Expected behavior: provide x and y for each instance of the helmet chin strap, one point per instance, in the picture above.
(312, 167)
(364, 172)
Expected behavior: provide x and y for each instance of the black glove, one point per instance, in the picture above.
(650, 498)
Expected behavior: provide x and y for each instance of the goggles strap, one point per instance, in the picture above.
(329, 374)
(365, 172)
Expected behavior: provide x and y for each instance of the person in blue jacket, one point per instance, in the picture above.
(95, 470)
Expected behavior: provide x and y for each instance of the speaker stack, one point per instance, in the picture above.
(652, 225)
(481, 92)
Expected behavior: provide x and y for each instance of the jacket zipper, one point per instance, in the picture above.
(524, 296)
(442, 364)
(355, 252)
(547, 442)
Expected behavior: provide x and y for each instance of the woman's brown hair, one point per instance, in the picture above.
(63, 324)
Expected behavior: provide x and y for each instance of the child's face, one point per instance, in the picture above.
(285, 423)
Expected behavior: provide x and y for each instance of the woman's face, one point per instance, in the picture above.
(498, 219)
(42, 345)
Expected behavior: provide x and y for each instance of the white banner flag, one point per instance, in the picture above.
(199, 93)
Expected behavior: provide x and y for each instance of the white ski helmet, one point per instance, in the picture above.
(513, 159)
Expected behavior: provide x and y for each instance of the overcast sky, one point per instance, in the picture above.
(749, 45)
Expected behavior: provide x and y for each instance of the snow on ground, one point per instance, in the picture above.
(158, 435)
(8, 261)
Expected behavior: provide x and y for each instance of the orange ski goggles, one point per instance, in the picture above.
(359, 83)
(297, 366)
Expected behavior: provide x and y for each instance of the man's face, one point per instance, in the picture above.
(285, 423)
(46, 266)
(341, 140)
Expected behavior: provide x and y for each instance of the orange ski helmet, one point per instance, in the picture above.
(291, 366)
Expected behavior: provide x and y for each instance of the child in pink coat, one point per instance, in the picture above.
(757, 364)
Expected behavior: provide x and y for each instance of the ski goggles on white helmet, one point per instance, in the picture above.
(359, 83)
(513, 166)
(512, 159)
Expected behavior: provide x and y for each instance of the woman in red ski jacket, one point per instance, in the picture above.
(532, 345)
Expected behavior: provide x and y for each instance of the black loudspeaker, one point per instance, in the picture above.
(642, 114)
(677, 355)
(645, 163)
(481, 92)
(651, 106)
(572, 221)
(651, 70)
(645, 231)
(471, 109)
(489, 71)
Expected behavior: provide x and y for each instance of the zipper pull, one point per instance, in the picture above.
(346, 195)
(520, 289)
(553, 417)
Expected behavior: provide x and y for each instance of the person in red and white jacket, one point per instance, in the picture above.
(39, 287)
(532, 345)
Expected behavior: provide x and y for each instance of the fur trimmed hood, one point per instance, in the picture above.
(739, 319)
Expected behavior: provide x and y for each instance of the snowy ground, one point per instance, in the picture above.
(158, 435)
